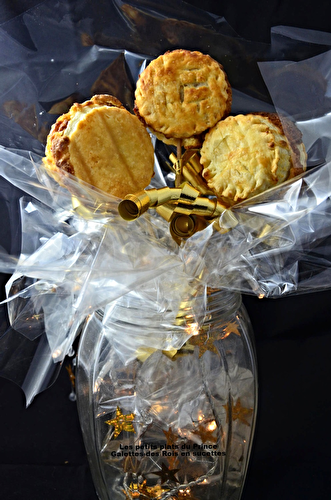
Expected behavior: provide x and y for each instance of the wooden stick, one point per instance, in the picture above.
(178, 179)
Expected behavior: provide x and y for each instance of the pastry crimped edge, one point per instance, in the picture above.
(153, 113)
(233, 172)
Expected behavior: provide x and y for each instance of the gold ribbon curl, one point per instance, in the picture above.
(188, 207)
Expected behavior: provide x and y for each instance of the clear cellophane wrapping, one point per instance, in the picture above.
(66, 248)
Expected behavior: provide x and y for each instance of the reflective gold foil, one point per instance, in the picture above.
(122, 422)
(186, 200)
(191, 171)
(134, 205)
(188, 207)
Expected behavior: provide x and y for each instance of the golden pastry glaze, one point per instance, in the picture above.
(245, 155)
(182, 93)
(108, 147)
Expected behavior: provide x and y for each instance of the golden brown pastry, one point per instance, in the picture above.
(245, 155)
(181, 94)
(103, 144)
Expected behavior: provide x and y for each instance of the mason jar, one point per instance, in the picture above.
(167, 404)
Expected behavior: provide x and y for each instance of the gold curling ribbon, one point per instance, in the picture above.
(134, 205)
(186, 200)
(188, 207)
(191, 171)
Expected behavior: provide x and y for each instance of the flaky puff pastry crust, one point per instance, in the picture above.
(103, 144)
(245, 155)
(181, 94)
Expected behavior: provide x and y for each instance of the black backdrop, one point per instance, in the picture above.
(42, 455)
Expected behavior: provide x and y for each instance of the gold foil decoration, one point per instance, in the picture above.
(231, 327)
(151, 491)
(205, 342)
(191, 170)
(185, 493)
(144, 352)
(206, 431)
(205, 339)
(188, 207)
(238, 412)
(133, 491)
(185, 200)
(121, 422)
(172, 438)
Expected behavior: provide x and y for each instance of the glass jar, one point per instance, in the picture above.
(168, 410)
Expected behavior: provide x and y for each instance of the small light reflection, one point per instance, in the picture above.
(157, 408)
(35, 317)
(183, 492)
(212, 426)
(193, 329)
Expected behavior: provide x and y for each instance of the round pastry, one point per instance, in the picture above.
(103, 144)
(245, 155)
(181, 94)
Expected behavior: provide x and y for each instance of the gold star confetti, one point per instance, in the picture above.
(206, 431)
(151, 491)
(171, 436)
(238, 412)
(122, 422)
(205, 339)
(205, 342)
(185, 493)
(134, 491)
(231, 327)
(166, 474)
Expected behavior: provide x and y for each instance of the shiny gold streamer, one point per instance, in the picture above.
(188, 207)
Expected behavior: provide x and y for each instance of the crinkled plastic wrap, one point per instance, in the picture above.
(189, 411)
(76, 254)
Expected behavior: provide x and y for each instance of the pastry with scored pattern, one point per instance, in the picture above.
(103, 144)
(181, 94)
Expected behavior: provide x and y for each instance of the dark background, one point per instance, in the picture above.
(42, 455)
